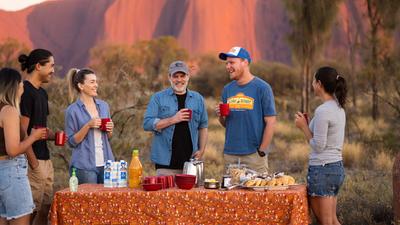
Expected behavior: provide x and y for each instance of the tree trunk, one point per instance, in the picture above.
(303, 88)
(396, 189)
(374, 21)
(308, 86)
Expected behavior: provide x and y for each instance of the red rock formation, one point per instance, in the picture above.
(70, 28)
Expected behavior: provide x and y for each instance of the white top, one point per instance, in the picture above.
(327, 126)
(98, 148)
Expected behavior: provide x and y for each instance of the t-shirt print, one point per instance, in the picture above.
(240, 102)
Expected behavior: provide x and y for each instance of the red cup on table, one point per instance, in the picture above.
(170, 181)
(104, 122)
(150, 180)
(60, 138)
(40, 127)
(163, 181)
(224, 109)
(189, 111)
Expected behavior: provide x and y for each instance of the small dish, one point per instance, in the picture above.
(211, 185)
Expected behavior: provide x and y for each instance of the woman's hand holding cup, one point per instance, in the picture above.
(39, 133)
(95, 123)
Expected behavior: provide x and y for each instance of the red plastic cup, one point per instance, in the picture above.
(104, 122)
(306, 116)
(150, 180)
(40, 127)
(60, 138)
(163, 181)
(224, 109)
(190, 113)
(170, 181)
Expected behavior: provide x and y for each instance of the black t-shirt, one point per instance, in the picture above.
(34, 104)
(182, 146)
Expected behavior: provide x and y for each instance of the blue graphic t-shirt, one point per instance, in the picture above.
(248, 105)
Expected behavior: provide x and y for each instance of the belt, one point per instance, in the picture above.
(5, 157)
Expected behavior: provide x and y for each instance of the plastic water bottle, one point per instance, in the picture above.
(107, 174)
(123, 174)
(135, 170)
(73, 182)
(114, 174)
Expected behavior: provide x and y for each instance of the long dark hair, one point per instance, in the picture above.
(36, 56)
(333, 83)
(9, 84)
(75, 77)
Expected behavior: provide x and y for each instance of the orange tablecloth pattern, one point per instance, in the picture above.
(94, 204)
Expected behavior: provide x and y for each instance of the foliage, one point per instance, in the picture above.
(10, 49)
(211, 77)
(311, 22)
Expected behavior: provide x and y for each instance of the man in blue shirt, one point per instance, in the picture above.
(176, 136)
(251, 122)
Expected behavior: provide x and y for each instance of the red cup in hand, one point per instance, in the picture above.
(60, 138)
(224, 109)
(306, 117)
(189, 111)
(104, 122)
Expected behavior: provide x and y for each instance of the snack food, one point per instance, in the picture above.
(284, 180)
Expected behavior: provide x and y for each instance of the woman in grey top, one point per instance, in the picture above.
(326, 136)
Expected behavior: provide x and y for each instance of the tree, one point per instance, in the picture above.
(311, 22)
(10, 49)
(382, 16)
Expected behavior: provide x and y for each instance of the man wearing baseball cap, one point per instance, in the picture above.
(178, 119)
(251, 121)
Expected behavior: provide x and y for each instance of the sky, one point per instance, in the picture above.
(14, 5)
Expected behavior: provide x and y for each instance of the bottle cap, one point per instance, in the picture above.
(135, 152)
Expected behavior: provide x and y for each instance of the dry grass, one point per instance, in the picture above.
(352, 154)
(370, 128)
(383, 162)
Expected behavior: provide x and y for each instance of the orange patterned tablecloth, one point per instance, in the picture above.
(94, 204)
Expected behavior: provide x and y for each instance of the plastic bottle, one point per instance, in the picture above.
(135, 170)
(107, 174)
(114, 173)
(73, 182)
(123, 174)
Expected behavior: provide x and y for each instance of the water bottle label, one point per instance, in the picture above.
(123, 175)
(107, 176)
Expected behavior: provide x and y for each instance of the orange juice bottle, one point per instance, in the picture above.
(135, 170)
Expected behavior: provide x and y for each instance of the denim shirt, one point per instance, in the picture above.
(164, 104)
(83, 153)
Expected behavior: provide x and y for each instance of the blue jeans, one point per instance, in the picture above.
(15, 193)
(90, 176)
(325, 180)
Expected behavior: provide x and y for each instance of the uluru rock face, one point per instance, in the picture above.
(70, 28)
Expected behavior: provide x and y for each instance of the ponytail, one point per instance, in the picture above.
(341, 91)
(74, 77)
(71, 86)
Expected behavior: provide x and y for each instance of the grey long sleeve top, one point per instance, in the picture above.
(327, 127)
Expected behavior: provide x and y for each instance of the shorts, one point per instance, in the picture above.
(15, 193)
(253, 161)
(325, 180)
(41, 180)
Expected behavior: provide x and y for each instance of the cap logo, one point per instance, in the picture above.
(234, 50)
(179, 64)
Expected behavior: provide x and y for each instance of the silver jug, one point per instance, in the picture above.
(195, 167)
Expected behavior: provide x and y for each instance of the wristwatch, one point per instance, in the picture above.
(260, 153)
